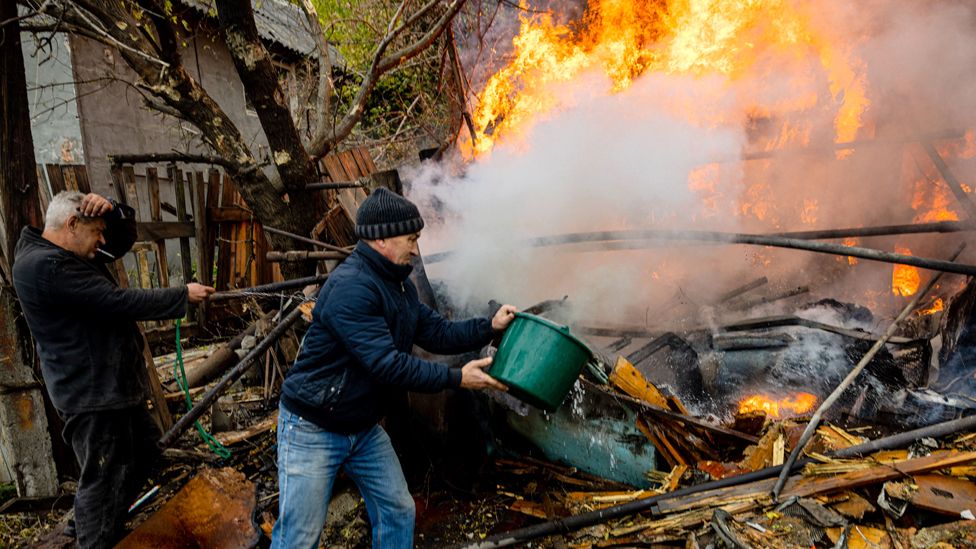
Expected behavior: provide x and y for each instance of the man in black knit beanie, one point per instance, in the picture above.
(365, 322)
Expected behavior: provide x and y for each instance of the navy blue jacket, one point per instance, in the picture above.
(84, 324)
(365, 322)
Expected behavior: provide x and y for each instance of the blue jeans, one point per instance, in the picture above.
(309, 459)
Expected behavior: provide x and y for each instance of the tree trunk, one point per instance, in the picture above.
(25, 441)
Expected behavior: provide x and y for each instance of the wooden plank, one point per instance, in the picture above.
(628, 379)
(131, 192)
(335, 169)
(156, 214)
(186, 260)
(361, 166)
(349, 165)
(118, 185)
(157, 396)
(43, 193)
(149, 231)
(55, 177)
(81, 176)
(367, 159)
(233, 214)
(943, 494)
(70, 178)
(797, 485)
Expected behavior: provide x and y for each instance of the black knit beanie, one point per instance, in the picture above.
(385, 214)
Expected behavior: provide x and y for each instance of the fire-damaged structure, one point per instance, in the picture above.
(764, 254)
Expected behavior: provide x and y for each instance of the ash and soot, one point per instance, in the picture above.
(759, 118)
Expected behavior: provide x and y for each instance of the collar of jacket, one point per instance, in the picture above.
(386, 268)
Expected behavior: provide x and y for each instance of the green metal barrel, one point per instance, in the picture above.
(539, 361)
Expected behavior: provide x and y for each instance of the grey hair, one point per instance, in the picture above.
(64, 205)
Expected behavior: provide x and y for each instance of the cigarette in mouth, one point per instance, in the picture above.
(103, 252)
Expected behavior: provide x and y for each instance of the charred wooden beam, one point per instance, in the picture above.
(950, 179)
(336, 185)
(745, 288)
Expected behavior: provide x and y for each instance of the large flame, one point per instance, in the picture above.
(799, 403)
(626, 38)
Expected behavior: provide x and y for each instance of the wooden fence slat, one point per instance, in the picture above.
(81, 177)
(156, 214)
(225, 235)
(176, 176)
(70, 180)
(55, 177)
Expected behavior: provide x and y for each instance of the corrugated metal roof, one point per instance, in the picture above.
(277, 20)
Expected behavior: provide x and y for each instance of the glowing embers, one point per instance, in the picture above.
(793, 405)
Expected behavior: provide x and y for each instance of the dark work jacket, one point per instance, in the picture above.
(365, 323)
(90, 347)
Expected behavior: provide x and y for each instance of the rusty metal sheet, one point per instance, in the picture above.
(942, 494)
(214, 510)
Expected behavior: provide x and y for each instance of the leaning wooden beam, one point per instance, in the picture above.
(950, 179)
(851, 376)
(302, 255)
(736, 238)
(268, 288)
(307, 240)
(294, 313)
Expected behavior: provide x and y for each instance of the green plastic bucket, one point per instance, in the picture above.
(539, 360)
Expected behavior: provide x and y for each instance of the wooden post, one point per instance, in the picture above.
(200, 226)
(950, 179)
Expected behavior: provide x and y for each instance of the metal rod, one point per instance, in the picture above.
(583, 520)
(735, 238)
(268, 288)
(736, 292)
(200, 407)
(811, 427)
(307, 240)
(334, 186)
(303, 255)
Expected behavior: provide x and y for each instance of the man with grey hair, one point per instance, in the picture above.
(91, 350)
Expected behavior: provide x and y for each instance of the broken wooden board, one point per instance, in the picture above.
(939, 493)
(215, 509)
(760, 491)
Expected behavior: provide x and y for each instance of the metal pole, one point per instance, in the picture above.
(735, 238)
(268, 288)
(307, 240)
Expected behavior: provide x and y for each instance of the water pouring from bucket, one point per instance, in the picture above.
(539, 360)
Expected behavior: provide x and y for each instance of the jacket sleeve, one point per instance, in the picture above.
(78, 286)
(439, 335)
(356, 319)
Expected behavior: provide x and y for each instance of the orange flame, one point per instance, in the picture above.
(905, 279)
(800, 403)
(624, 39)
(937, 306)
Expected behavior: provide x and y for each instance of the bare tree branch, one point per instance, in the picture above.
(325, 85)
(382, 64)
